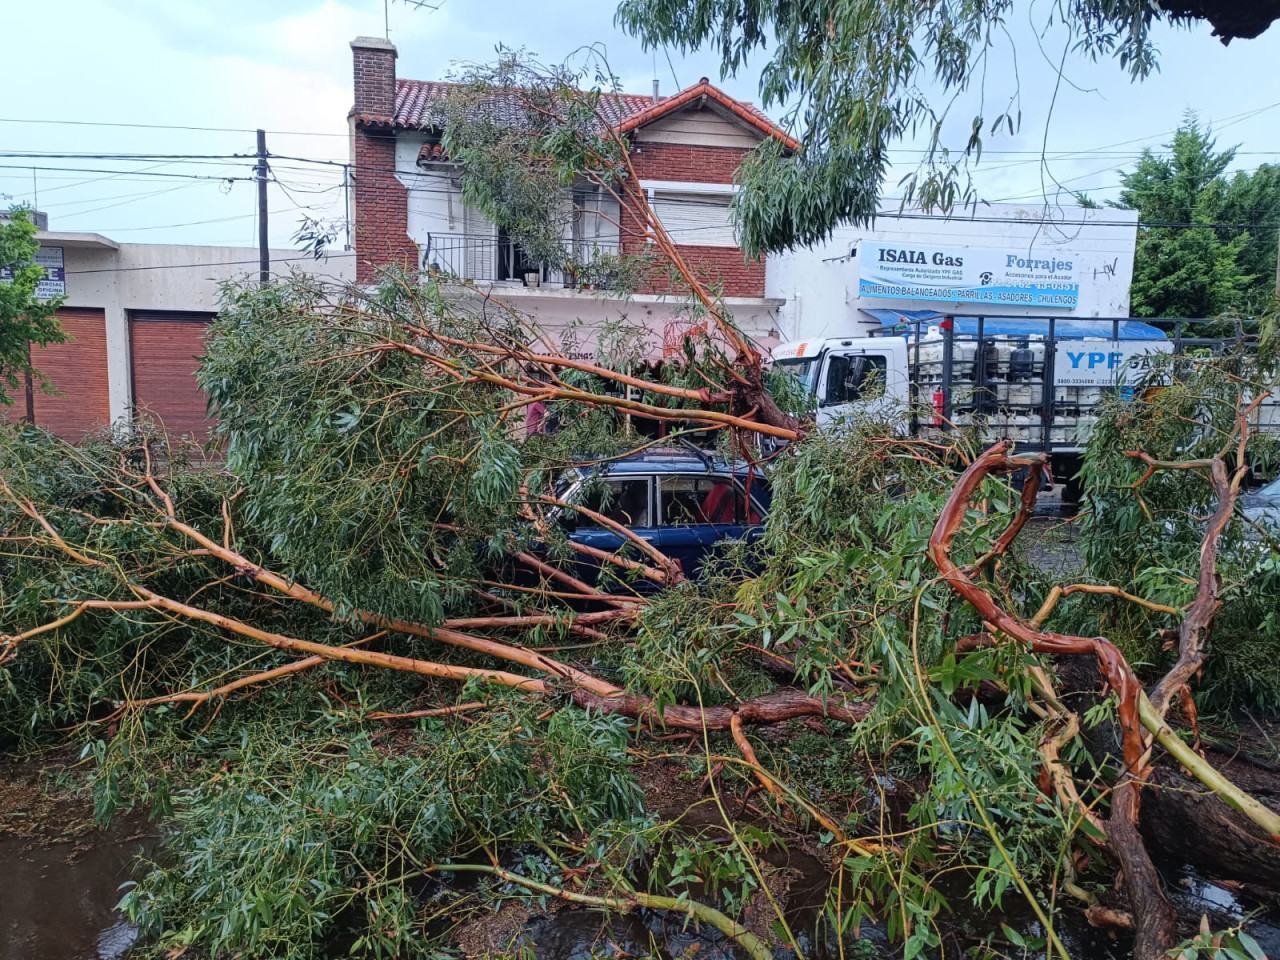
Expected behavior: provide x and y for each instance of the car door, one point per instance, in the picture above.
(697, 511)
(862, 382)
(627, 500)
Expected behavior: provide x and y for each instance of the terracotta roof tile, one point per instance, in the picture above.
(432, 152)
(416, 109)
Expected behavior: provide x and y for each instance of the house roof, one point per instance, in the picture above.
(703, 91)
(417, 108)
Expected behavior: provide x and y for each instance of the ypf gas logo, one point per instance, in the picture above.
(1096, 360)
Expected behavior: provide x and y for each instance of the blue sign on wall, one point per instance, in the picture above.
(915, 271)
(54, 283)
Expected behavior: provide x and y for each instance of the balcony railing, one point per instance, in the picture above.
(490, 258)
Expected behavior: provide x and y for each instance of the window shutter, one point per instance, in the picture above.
(696, 220)
(481, 244)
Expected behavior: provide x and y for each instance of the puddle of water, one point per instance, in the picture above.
(1192, 894)
(586, 935)
(57, 902)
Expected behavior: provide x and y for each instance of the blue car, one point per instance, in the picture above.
(682, 501)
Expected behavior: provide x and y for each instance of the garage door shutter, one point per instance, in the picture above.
(166, 348)
(77, 370)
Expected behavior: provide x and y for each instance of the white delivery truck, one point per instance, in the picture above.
(1033, 380)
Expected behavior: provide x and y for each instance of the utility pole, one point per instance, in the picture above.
(346, 207)
(28, 383)
(264, 253)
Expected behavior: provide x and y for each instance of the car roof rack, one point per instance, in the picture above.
(697, 451)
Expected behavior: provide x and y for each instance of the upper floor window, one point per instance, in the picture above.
(696, 219)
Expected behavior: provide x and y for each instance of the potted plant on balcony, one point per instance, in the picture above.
(589, 275)
(577, 273)
(533, 277)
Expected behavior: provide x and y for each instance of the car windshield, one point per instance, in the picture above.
(803, 370)
(566, 480)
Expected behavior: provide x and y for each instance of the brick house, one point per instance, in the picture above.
(686, 149)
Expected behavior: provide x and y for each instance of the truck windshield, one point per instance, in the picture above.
(803, 370)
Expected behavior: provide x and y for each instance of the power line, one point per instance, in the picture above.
(167, 126)
(1173, 177)
(81, 183)
(87, 155)
(319, 165)
(119, 201)
(44, 121)
(230, 158)
(131, 173)
(683, 201)
(209, 263)
(1149, 224)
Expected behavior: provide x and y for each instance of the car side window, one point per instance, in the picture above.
(622, 501)
(692, 501)
(852, 378)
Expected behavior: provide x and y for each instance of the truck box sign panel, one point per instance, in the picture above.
(54, 283)
(1104, 363)
(1011, 277)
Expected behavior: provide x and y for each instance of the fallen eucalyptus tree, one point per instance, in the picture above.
(357, 654)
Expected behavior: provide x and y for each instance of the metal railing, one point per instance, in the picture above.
(495, 258)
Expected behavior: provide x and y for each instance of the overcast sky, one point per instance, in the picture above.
(285, 65)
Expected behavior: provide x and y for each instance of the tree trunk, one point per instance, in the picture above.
(773, 708)
(1154, 920)
(1184, 823)
(1181, 822)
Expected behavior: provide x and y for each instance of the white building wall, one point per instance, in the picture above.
(582, 324)
(819, 284)
(434, 200)
(165, 277)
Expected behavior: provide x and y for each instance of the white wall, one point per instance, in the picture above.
(820, 283)
(177, 277)
(577, 321)
(434, 199)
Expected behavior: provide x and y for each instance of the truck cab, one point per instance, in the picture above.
(849, 376)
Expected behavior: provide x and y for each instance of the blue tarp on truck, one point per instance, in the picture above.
(1064, 328)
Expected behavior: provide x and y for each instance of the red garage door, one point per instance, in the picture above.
(166, 348)
(77, 370)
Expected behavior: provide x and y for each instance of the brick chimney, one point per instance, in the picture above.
(374, 60)
(380, 206)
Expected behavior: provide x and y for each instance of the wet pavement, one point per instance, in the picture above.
(57, 900)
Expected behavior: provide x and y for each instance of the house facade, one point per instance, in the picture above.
(685, 150)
